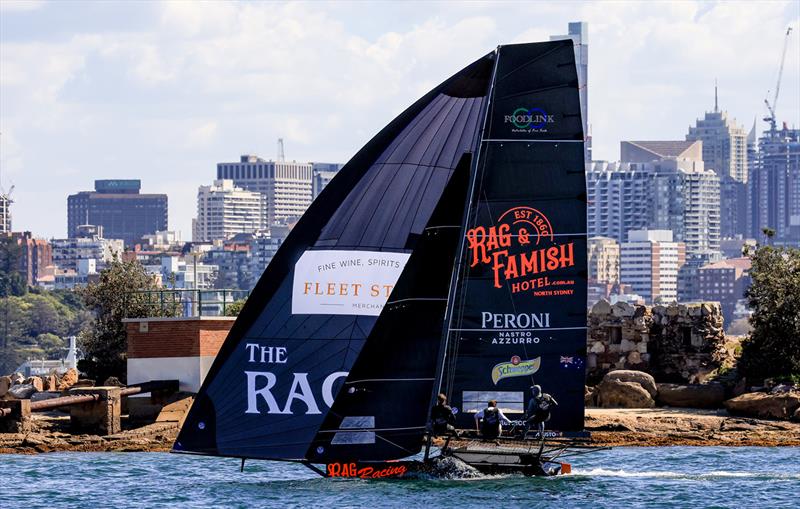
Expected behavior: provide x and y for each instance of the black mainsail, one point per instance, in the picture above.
(518, 311)
(276, 376)
(448, 254)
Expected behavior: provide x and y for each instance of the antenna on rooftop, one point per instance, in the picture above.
(281, 155)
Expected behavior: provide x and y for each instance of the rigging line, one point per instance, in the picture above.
(390, 380)
(526, 63)
(507, 140)
(444, 344)
(512, 329)
(413, 299)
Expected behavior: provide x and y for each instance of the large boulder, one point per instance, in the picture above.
(765, 406)
(611, 393)
(5, 385)
(68, 379)
(36, 382)
(22, 391)
(646, 380)
(691, 396)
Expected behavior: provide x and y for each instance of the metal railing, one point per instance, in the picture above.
(185, 303)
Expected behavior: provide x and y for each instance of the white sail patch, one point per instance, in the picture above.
(361, 422)
(332, 282)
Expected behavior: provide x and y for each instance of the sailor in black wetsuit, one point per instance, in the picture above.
(490, 420)
(539, 409)
(443, 419)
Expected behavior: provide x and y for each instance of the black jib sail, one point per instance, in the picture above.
(518, 311)
(287, 355)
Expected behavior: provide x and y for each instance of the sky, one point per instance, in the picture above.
(162, 91)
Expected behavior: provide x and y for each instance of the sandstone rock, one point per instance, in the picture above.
(622, 309)
(113, 381)
(17, 378)
(5, 384)
(598, 348)
(646, 380)
(768, 406)
(36, 382)
(617, 394)
(589, 396)
(691, 396)
(634, 358)
(22, 391)
(601, 307)
(68, 379)
(51, 383)
(796, 416)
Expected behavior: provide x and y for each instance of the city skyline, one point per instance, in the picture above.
(163, 92)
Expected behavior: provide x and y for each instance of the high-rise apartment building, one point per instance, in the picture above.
(725, 282)
(619, 199)
(286, 186)
(649, 263)
(5, 213)
(224, 210)
(725, 150)
(579, 33)
(603, 260)
(119, 207)
(684, 196)
(774, 187)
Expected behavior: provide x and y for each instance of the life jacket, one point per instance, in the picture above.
(491, 417)
(544, 404)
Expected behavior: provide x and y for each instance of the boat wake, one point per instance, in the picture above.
(448, 468)
(603, 472)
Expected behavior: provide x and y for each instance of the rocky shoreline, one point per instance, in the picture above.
(614, 427)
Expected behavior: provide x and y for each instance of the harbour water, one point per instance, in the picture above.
(622, 477)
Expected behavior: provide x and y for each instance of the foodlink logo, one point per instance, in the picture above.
(533, 119)
(511, 249)
(517, 367)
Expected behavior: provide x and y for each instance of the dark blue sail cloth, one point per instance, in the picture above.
(289, 352)
(518, 316)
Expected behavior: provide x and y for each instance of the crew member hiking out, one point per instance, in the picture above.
(539, 408)
(443, 419)
(489, 421)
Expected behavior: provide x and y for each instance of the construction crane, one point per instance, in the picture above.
(771, 107)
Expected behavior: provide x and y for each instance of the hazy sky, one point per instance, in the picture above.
(164, 91)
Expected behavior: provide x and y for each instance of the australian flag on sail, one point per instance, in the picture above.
(572, 362)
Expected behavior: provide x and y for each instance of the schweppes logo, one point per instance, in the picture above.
(516, 367)
(512, 250)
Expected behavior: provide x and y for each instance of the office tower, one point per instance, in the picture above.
(649, 263)
(725, 150)
(323, 173)
(224, 210)
(119, 207)
(774, 187)
(286, 186)
(579, 33)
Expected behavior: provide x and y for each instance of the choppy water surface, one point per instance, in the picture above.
(622, 477)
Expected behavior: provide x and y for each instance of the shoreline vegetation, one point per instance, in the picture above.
(613, 427)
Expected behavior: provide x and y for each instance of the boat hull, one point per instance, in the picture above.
(497, 464)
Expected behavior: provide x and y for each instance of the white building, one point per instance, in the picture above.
(5, 213)
(223, 210)
(186, 273)
(649, 263)
(286, 186)
(67, 253)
